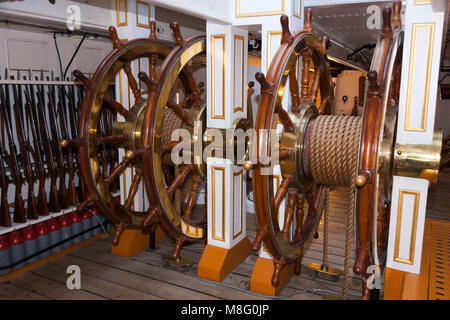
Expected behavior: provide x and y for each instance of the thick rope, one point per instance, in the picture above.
(325, 229)
(171, 121)
(334, 154)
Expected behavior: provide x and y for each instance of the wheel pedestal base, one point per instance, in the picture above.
(326, 273)
(216, 263)
(134, 241)
(261, 280)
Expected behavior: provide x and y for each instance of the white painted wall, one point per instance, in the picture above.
(32, 48)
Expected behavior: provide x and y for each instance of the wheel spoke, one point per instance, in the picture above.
(299, 213)
(283, 115)
(118, 170)
(153, 59)
(133, 188)
(132, 83)
(289, 212)
(315, 85)
(117, 106)
(112, 139)
(179, 178)
(293, 87)
(191, 198)
(186, 117)
(306, 59)
(169, 146)
(281, 191)
(192, 83)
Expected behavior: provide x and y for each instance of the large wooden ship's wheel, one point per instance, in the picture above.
(95, 136)
(187, 224)
(295, 181)
(318, 150)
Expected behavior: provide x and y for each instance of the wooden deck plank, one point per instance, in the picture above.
(95, 285)
(52, 288)
(9, 291)
(149, 285)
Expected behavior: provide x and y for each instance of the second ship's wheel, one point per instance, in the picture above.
(188, 224)
(318, 150)
(302, 192)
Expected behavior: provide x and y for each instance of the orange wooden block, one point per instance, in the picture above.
(134, 241)
(261, 280)
(216, 263)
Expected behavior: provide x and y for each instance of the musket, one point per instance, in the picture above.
(5, 218)
(37, 158)
(71, 190)
(74, 115)
(53, 203)
(13, 163)
(32, 210)
(56, 147)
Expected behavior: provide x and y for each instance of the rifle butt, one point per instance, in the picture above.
(53, 203)
(42, 199)
(32, 209)
(19, 209)
(5, 218)
(72, 191)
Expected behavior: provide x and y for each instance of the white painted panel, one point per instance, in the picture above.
(398, 259)
(259, 7)
(143, 9)
(218, 64)
(237, 203)
(218, 211)
(420, 72)
(238, 73)
(406, 225)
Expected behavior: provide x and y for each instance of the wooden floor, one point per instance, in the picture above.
(146, 276)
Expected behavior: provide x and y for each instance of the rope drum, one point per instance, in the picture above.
(333, 142)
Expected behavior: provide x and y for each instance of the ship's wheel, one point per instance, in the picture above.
(189, 224)
(317, 150)
(98, 133)
(301, 190)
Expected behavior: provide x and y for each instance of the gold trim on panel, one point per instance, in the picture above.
(295, 13)
(118, 22)
(213, 174)
(213, 80)
(415, 27)
(237, 108)
(124, 179)
(412, 244)
(421, 2)
(148, 14)
(270, 34)
(257, 14)
(240, 173)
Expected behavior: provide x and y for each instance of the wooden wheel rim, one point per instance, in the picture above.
(89, 122)
(280, 249)
(383, 142)
(155, 186)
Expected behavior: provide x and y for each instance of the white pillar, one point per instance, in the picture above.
(418, 92)
(226, 102)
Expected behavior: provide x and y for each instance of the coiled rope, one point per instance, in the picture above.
(334, 154)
